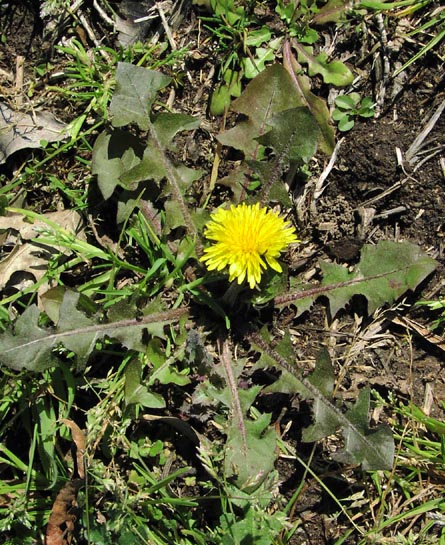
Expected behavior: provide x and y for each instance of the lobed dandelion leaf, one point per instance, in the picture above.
(250, 468)
(136, 90)
(122, 159)
(114, 155)
(268, 94)
(335, 72)
(384, 273)
(29, 345)
(305, 97)
(365, 445)
(255, 526)
(275, 119)
(373, 448)
(292, 134)
(136, 392)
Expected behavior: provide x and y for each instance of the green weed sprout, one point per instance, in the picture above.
(435, 305)
(297, 16)
(349, 107)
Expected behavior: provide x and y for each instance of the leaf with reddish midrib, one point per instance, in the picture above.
(27, 345)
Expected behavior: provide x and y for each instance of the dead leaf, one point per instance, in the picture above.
(31, 257)
(80, 442)
(61, 520)
(19, 130)
(69, 220)
(135, 25)
(23, 258)
(424, 332)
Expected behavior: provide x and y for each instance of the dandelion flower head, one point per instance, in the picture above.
(247, 239)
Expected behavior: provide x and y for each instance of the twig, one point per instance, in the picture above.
(76, 5)
(385, 193)
(171, 98)
(418, 141)
(92, 36)
(421, 330)
(385, 64)
(215, 167)
(19, 63)
(431, 153)
(391, 212)
(314, 189)
(167, 30)
(319, 184)
(102, 13)
(442, 165)
(203, 85)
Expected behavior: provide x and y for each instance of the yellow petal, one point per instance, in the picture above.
(247, 239)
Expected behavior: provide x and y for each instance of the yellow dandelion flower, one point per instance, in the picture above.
(246, 238)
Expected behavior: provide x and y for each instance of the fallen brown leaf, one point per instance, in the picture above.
(28, 257)
(19, 130)
(80, 442)
(61, 521)
(62, 518)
